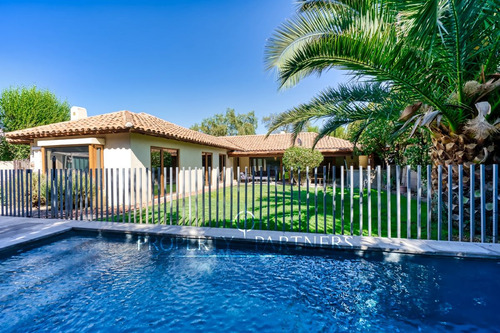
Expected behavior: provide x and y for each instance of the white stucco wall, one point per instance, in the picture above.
(190, 156)
(132, 150)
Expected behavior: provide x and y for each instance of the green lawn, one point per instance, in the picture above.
(277, 211)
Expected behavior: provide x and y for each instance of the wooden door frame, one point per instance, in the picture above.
(204, 156)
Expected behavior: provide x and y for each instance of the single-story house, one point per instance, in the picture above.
(126, 139)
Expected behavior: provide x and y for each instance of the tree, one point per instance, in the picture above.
(422, 63)
(268, 122)
(27, 107)
(376, 140)
(228, 124)
(300, 158)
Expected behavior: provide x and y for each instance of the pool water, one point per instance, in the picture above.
(90, 282)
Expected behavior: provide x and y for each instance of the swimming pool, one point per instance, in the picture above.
(90, 282)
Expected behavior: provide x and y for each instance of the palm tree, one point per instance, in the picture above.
(427, 64)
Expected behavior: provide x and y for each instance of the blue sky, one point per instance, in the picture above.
(178, 60)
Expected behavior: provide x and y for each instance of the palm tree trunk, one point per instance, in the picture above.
(450, 149)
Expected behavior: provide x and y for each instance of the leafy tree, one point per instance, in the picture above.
(301, 158)
(422, 63)
(27, 107)
(228, 124)
(376, 139)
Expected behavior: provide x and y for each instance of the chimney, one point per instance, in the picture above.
(78, 113)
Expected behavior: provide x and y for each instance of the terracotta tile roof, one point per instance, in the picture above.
(116, 122)
(278, 143)
(126, 121)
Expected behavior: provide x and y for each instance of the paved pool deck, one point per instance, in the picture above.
(17, 231)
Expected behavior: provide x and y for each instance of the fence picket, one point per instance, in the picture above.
(408, 201)
(283, 203)
(203, 180)
(495, 203)
(472, 203)
(224, 200)
(483, 203)
(440, 201)
(315, 199)
(299, 217)
(341, 200)
(389, 198)
(184, 195)
(379, 201)
(196, 212)
(307, 198)
(450, 201)
(190, 222)
(398, 200)
(351, 202)
(268, 195)
(291, 199)
(217, 180)
(325, 179)
(334, 188)
(419, 202)
(460, 202)
(369, 193)
(429, 200)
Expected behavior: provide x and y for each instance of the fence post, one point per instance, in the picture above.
(369, 192)
(419, 202)
(483, 205)
(334, 190)
(325, 179)
(450, 201)
(460, 202)
(408, 201)
(189, 199)
(472, 203)
(291, 197)
(429, 200)
(379, 201)
(351, 196)
(398, 200)
(389, 197)
(495, 203)
(440, 200)
(196, 213)
(341, 200)
(360, 200)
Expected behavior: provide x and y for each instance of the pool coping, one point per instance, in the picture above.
(38, 229)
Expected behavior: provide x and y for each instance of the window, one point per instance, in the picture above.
(222, 165)
(162, 159)
(73, 157)
(272, 164)
(206, 162)
(76, 157)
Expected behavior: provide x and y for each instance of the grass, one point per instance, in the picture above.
(280, 211)
(167, 188)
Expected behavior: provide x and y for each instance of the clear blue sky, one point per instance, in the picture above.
(178, 60)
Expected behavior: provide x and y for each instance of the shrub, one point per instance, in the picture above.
(300, 158)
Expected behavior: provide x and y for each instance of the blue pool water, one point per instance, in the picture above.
(131, 283)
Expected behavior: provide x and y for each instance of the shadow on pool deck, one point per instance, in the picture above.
(17, 231)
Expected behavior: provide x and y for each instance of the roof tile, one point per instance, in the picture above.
(125, 121)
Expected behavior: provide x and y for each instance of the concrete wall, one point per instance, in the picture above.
(14, 165)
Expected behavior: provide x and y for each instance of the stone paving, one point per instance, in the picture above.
(16, 231)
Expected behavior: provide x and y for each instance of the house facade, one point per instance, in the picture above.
(126, 140)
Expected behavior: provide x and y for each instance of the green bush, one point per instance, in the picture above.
(301, 158)
(76, 196)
